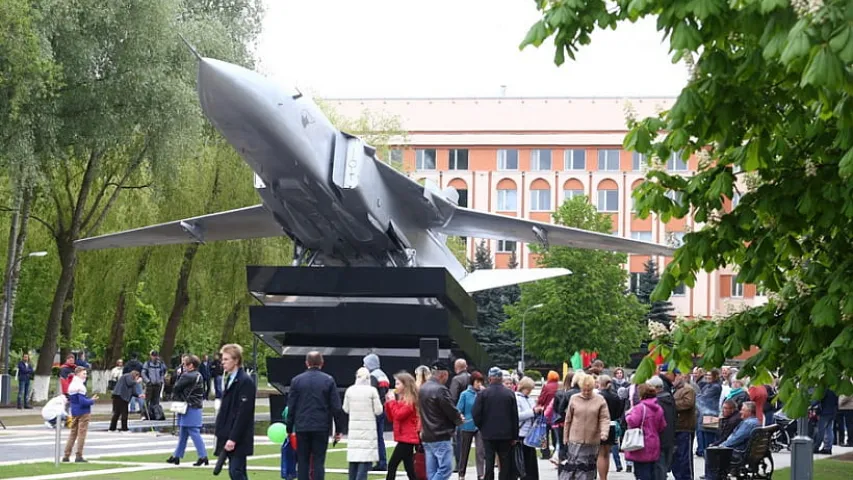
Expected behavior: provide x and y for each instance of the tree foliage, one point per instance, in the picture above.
(587, 310)
(659, 311)
(502, 346)
(768, 112)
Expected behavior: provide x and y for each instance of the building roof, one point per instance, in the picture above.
(529, 115)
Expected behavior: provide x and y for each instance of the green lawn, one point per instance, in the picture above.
(199, 474)
(826, 469)
(48, 468)
(189, 457)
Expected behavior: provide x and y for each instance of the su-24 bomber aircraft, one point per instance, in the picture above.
(327, 191)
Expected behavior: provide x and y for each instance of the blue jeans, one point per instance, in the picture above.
(825, 431)
(682, 463)
(614, 451)
(380, 432)
(439, 459)
(23, 391)
(194, 433)
(704, 438)
(217, 386)
(358, 470)
(644, 471)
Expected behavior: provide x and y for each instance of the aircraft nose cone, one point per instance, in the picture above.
(226, 91)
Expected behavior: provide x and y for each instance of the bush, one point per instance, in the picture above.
(534, 374)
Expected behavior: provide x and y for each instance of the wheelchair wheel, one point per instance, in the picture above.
(764, 469)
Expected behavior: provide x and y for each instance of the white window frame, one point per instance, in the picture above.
(420, 159)
(737, 288)
(391, 159)
(536, 160)
(536, 196)
(571, 193)
(453, 158)
(632, 278)
(502, 159)
(502, 246)
(602, 201)
(570, 157)
(503, 199)
(642, 236)
(676, 164)
(679, 290)
(606, 155)
(638, 162)
(735, 200)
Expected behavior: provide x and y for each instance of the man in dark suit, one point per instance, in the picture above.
(496, 415)
(235, 422)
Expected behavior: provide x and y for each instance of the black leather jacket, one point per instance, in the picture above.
(190, 388)
(439, 416)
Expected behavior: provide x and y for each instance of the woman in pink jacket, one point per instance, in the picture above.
(647, 415)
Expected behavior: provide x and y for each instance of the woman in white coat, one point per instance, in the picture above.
(361, 402)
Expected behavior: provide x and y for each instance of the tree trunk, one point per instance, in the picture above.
(68, 260)
(66, 333)
(19, 249)
(11, 257)
(116, 345)
(231, 322)
(182, 299)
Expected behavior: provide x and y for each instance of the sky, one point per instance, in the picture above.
(452, 48)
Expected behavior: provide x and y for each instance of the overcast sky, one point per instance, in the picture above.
(446, 48)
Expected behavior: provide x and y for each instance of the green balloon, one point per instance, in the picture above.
(277, 433)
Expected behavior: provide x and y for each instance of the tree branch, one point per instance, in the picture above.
(43, 222)
(98, 199)
(130, 169)
(83, 194)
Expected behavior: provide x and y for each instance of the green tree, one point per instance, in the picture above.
(659, 310)
(587, 310)
(503, 347)
(768, 111)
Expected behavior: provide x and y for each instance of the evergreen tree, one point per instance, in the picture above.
(501, 346)
(658, 311)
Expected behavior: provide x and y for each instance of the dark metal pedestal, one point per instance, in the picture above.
(349, 312)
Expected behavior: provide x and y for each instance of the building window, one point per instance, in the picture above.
(506, 246)
(463, 197)
(608, 160)
(635, 282)
(675, 163)
(638, 162)
(395, 156)
(680, 290)
(507, 159)
(425, 159)
(676, 197)
(507, 200)
(570, 194)
(675, 239)
(735, 200)
(644, 236)
(737, 289)
(574, 159)
(540, 200)
(458, 159)
(540, 160)
(608, 200)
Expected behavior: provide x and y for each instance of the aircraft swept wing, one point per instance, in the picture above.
(465, 222)
(242, 223)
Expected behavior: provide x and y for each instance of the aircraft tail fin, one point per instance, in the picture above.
(486, 279)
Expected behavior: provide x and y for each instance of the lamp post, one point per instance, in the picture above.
(523, 318)
(5, 376)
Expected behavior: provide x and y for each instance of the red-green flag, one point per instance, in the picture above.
(577, 361)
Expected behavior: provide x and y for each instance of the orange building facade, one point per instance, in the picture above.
(525, 156)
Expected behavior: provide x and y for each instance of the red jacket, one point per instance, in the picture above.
(547, 393)
(405, 419)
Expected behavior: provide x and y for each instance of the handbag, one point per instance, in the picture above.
(537, 437)
(633, 439)
(518, 461)
(181, 407)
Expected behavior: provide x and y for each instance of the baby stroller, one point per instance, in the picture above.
(788, 430)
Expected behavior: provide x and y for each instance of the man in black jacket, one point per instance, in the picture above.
(235, 423)
(496, 415)
(312, 404)
(439, 418)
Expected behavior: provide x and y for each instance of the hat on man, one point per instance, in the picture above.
(664, 368)
(496, 372)
(155, 353)
(655, 382)
(439, 367)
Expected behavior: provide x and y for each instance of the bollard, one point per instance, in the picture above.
(802, 448)
(58, 445)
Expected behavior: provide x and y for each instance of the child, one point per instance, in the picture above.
(81, 410)
(53, 410)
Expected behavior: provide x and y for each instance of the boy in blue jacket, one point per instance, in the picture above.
(81, 410)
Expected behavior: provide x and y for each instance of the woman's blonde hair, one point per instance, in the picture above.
(362, 376)
(526, 383)
(576, 381)
(410, 389)
(422, 374)
(586, 382)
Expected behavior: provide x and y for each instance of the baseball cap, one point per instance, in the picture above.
(655, 382)
(665, 368)
(439, 367)
(496, 372)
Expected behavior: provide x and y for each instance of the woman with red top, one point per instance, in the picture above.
(402, 410)
(758, 395)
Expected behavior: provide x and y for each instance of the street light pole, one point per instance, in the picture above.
(5, 376)
(523, 319)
